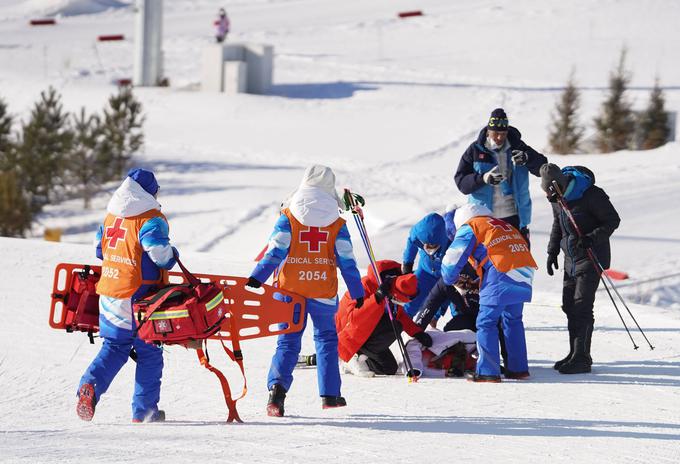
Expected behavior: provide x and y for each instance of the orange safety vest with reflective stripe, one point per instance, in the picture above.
(505, 245)
(122, 265)
(310, 267)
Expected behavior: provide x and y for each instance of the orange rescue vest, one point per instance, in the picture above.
(310, 267)
(122, 265)
(505, 245)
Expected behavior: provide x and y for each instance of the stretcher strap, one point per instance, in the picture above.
(231, 403)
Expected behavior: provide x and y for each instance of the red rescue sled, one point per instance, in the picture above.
(255, 313)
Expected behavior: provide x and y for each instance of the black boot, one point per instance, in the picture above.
(564, 360)
(329, 402)
(589, 338)
(277, 395)
(580, 361)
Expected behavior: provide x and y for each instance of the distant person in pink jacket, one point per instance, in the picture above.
(221, 26)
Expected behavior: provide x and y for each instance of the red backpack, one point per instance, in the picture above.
(177, 314)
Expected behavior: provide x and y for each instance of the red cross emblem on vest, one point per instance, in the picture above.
(115, 233)
(499, 224)
(313, 237)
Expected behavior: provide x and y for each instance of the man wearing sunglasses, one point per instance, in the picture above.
(494, 172)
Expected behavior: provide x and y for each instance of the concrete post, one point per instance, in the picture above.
(148, 56)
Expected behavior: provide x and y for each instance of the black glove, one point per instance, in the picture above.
(493, 177)
(526, 234)
(384, 290)
(359, 302)
(424, 339)
(519, 157)
(471, 303)
(584, 242)
(253, 282)
(552, 261)
(407, 268)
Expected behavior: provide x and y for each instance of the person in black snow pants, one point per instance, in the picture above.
(494, 171)
(597, 219)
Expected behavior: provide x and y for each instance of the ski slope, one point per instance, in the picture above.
(391, 105)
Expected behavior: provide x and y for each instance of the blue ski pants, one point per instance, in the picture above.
(487, 338)
(288, 348)
(112, 357)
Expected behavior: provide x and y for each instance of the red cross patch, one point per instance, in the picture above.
(115, 233)
(313, 237)
(498, 224)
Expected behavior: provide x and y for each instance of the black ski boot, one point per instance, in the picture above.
(589, 339)
(277, 395)
(580, 362)
(330, 402)
(563, 361)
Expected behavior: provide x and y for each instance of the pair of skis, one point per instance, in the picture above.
(354, 202)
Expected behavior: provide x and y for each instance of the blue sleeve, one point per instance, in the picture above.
(98, 242)
(457, 255)
(277, 250)
(412, 246)
(153, 236)
(344, 256)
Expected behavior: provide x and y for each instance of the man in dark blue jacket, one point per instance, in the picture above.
(494, 171)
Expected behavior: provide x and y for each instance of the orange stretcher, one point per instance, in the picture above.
(251, 313)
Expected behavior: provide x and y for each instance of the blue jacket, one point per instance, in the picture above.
(497, 288)
(279, 245)
(478, 160)
(430, 229)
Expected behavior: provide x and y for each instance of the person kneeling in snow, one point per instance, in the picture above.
(428, 240)
(136, 252)
(365, 333)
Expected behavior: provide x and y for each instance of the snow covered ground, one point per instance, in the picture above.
(390, 104)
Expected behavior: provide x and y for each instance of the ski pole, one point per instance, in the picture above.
(611, 283)
(350, 201)
(599, 268)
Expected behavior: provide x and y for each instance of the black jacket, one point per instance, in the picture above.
(596, 217)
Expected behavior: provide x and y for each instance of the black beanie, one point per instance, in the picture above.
(552, 172)
(498, 121)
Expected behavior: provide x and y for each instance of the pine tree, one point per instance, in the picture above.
(122, 128)
(42, 150)
(653, 124)
(15, 212)
(616, 124)
(87, 167)
(7, 145)
(566, 133)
